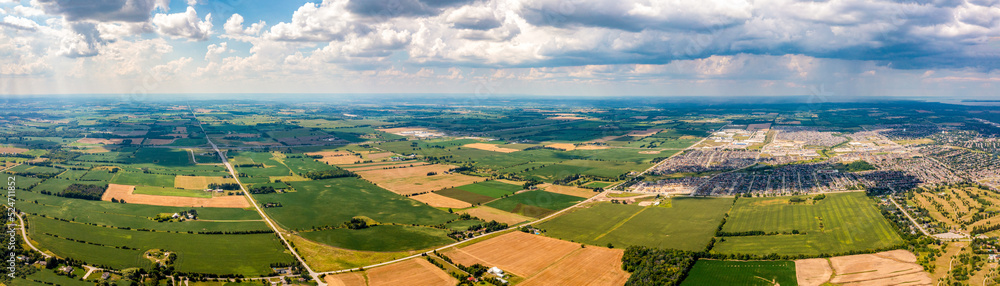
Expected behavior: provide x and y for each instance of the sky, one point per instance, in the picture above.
(943, 48)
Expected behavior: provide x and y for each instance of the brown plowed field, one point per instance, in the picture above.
(585, 266)
(125, 192)
(520, 253)
(883, 268)
(440, 201)
(410, 272)
(412, 180)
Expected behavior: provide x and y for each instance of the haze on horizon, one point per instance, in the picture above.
(544, 47)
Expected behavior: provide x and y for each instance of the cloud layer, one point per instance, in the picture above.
(763, 43)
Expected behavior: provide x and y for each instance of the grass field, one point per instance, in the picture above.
(491, 188)
(381, 238)
(175, 192)
(535, 203)
(72, 174)
(34, 170)
(687, 225)
(762, 273)
(162, 156)
(335, 201)
(141, 179)
(195, 252)
(840, 223)
(98, 175)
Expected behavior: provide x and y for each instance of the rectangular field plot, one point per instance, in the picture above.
(34, 170)
(199, 182)
(335, 201)
(174, 192)
(535, 204)
(837, 224)
(141, 179)
(381, 238)
(98, 175)
(204, 253)
(491, 188)
(412, 180)
(545, 261)
(465, 196)
(762, 273)
(162, 157)
(688, 224)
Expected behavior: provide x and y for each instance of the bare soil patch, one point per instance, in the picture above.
(94, 141)
(520, 253)
(883, 268)
(490, 147)
(124, 192)
(440, 201)
(567, 190)
(409, 272)
(158, 141)
(813, 272)
(585, 266)
(644, 133)
(336, 158)
(12, 150)
(199, 182)
(487, 213)
(413, 180)
(346, 279)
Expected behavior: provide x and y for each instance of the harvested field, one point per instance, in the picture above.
(567, 190)
(813, 272)
(585, 266)
(346, 279)
(520, 253)
(440, 201)
(562, 146)
(490, 147)
(883, 268)
(12, 150)
(380, 155)
(158, 141)
(199, 182)
(487, 213)
(135, 141)
(412, 180)
(649, 152)
(353, 168)
(125, 192)
(591, 147)
(95, 150)
(94, 141)
(409, 272)
(644, 133)
(336, 158)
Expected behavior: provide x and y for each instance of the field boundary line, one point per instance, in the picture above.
(621, 223)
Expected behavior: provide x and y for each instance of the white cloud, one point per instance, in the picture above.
(27, 11)
(327, 21)
(19, 23)
(234, 27)
(184, 25)
(214, 51)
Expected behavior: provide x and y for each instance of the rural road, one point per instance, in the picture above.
(232, 171)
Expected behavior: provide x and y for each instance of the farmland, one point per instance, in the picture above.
(839, 223)
(688, 224)
(535, 204)
(335, 201)
(763, 273)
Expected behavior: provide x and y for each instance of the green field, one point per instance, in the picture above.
(98, 175)
(137, 216)
(161, 191)
(162, 156)
(381, 238)
(840, 223)
(491, 188)
(56, 185)
(535, 204)
(335, 201)
(141, 179)
(204, 253)
(762, 273)
(72, 174)
(35, 170)
(688, 224)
